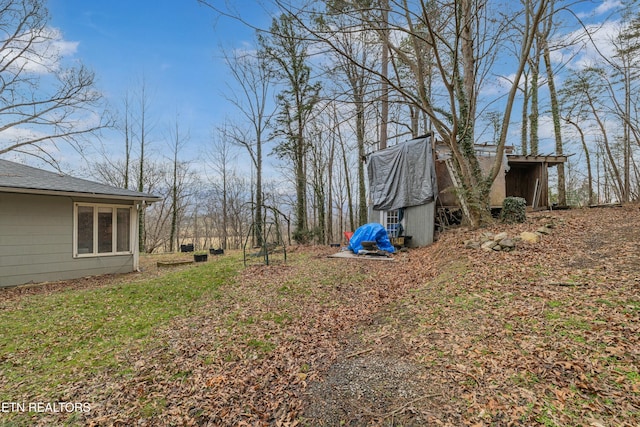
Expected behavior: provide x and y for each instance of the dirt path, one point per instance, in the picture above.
(547, 335)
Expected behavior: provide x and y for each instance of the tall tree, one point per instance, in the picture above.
(178, 141)
(626, 65)
(287, 49)
(586, 86)
(384, 73)
(253, 76)
(221, 157)
(144, 128)
(545, 35)
(42, 102)
(353, 61)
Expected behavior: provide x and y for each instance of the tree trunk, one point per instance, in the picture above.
(360, 136)
(557, 129)
(533, 117)
(384, 107)
(587, 158)
(524, 132)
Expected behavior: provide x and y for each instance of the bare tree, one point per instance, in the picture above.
(352, 58)
(251, 100)
(464, 40)
(178, 176)
(143, 135)
(287, 50)
(42, 103)
(555, 109)
(220, 155)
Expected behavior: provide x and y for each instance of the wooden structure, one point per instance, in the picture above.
(528, 177)
(524, 176)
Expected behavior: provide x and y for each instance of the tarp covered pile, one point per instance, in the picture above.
(373, 232)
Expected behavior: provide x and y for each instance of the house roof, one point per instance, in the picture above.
(18, 178)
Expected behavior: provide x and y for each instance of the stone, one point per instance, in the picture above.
(507, 243)
(488, 245)
(543, 230)
(500, 236)
(486, 237)
(529, 237)
(471, 244)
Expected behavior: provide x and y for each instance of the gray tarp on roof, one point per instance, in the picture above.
(402, 175)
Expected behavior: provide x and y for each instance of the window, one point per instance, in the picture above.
(102, 229)
(124, 230)
(392, 223)
(84, 219)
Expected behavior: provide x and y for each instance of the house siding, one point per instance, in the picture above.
(36, 242)
(418, 222)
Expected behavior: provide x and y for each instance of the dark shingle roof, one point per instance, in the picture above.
(19, 178)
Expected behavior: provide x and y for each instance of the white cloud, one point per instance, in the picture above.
(591, 44)
(38, 53)
(604, 7)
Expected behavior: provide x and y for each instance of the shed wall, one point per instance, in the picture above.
(36, 242)
(419, 224)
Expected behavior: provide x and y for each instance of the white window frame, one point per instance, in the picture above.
(114, 229)
(390, 215)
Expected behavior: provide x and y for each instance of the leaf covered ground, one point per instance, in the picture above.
(546, 335)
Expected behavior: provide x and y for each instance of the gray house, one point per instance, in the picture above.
(56, 227)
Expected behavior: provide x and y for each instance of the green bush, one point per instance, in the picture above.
(514, 209)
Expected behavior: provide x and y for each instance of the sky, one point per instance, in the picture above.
(174, 45)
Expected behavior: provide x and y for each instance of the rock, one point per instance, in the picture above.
(486, 237)
(471, 244)
(497, 248)
(489, 245)
(529, 237)
(542, 230)
(500, 236)
(507, 243)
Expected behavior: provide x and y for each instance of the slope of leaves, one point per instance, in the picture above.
(546, 335)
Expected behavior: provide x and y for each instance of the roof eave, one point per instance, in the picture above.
(141, 198)
(549, 159)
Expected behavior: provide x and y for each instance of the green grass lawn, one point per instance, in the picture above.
(48, 340)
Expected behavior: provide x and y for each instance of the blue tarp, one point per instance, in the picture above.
(372, 232)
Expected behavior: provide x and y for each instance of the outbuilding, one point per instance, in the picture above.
(56, 227)
(413, 182)
(403, 190)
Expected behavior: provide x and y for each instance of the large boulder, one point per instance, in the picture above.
(529, 237)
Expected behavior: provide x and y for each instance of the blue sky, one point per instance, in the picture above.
(175, 44)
